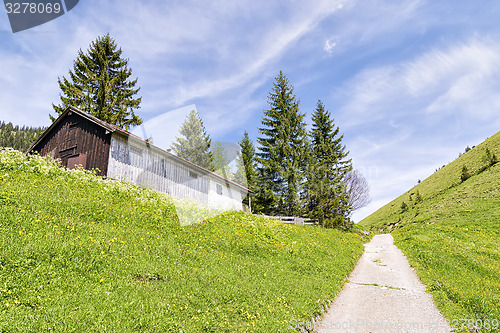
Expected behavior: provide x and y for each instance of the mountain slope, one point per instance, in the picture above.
(451, 237)
(443, 184)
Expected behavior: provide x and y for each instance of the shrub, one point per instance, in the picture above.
(418, 197)
(337, 222)
(404, 207)
(465, 174)
(489, 158)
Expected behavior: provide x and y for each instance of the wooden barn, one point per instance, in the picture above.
(77, 138)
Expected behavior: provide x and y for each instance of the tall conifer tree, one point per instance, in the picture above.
(246, 173)
(195, 145)
(220, 160)
(282, 151)
(247, 156)
(327, 199)
(99, 84)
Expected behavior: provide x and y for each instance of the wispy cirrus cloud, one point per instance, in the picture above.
(180, 51)
(372, 21)
(418, 114)
(449, 80)
(263, 46)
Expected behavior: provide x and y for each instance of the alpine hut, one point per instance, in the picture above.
(78, 138)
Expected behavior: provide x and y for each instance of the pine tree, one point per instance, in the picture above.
(195, 145)
(281, 152)
(99, 85)
(328, 164)
(418, 197)
(404, 207)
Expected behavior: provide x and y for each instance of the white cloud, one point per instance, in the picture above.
(450, 80)
(329, 45)
(263, 50)
(373, 21)
(461, 80)
(477, 59)
(180, 52)
(406, 119)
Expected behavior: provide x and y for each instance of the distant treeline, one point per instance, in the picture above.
(19, 138)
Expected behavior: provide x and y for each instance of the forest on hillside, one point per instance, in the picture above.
(16, 137)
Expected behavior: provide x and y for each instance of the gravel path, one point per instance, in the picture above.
(383, 295)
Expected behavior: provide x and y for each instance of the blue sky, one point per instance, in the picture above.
(410, 83)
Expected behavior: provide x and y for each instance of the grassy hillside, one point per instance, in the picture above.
(79, 254)
(452, 235)
(444, 180)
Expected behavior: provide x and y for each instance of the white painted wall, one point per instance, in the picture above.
(230, 199)
(133, 161)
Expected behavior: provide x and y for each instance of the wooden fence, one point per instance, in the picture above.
(294, 220)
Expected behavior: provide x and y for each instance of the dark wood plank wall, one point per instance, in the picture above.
(73, 138)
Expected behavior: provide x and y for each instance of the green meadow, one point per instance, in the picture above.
(450, 232)
(83, 254)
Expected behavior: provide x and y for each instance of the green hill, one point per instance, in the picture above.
(82, 254)
(449, 229)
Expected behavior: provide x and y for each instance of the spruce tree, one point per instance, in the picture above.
(220, 160)
(246, 172)
(99, 84)
(247, 156)
(195, 145)
(327, 198)
(489, 158)
(281, 152)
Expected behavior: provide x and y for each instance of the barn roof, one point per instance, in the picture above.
(116, 129)
(69, 109)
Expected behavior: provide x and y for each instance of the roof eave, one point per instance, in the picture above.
(67, 111)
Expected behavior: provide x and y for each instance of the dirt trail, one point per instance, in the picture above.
(383, 295)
